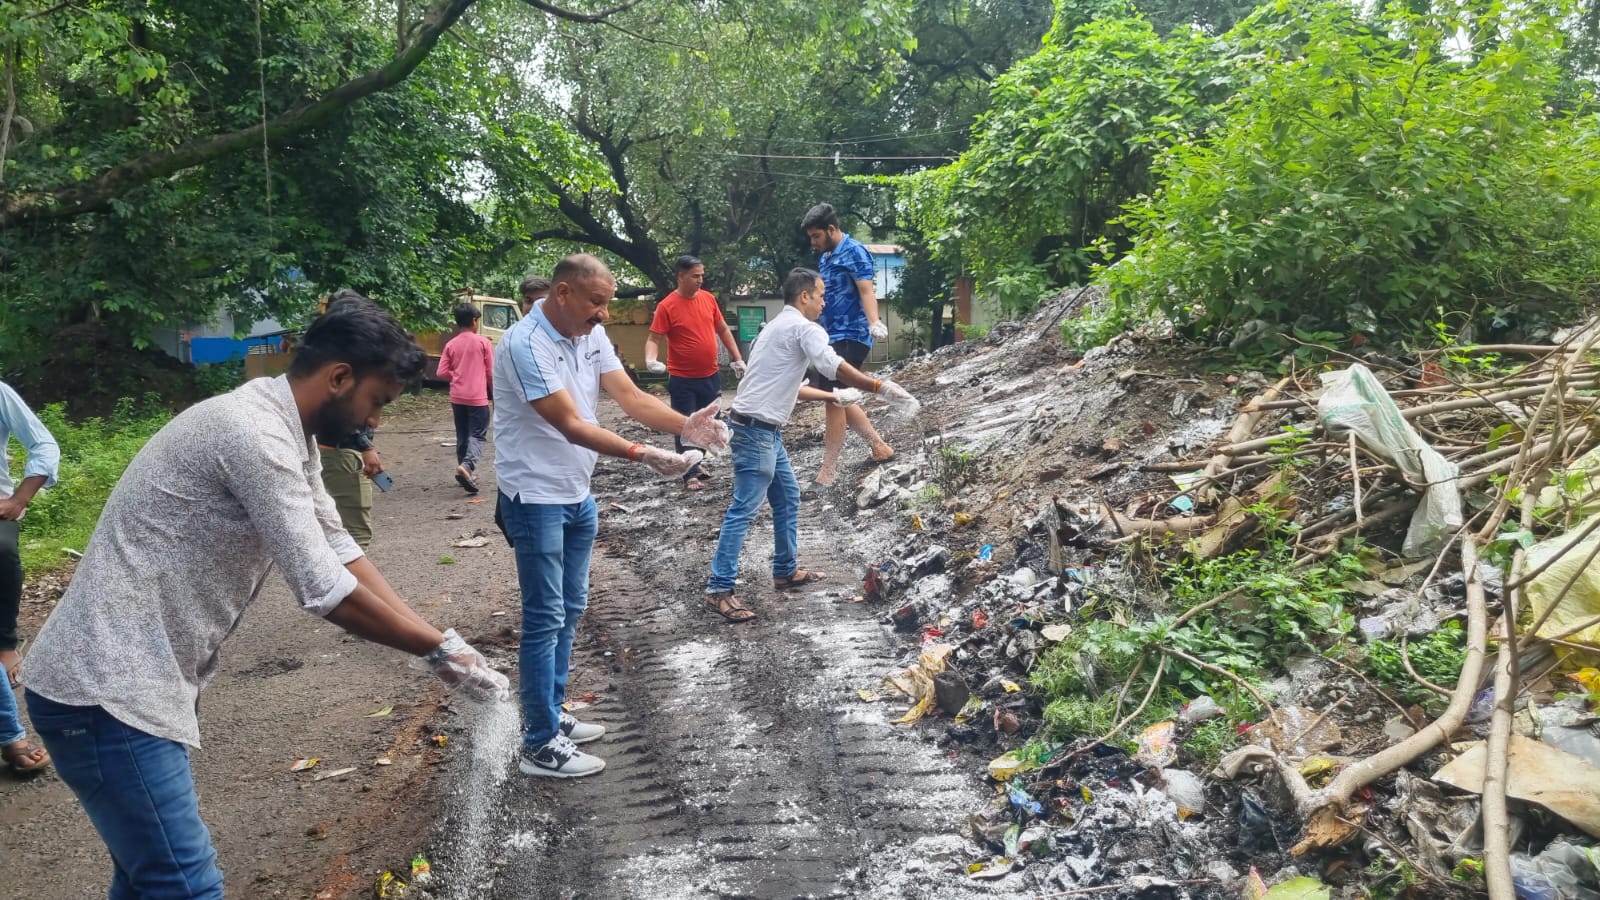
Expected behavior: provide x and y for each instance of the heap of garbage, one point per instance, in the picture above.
(1473, 506)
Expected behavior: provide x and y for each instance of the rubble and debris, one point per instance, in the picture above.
(1537, 773)
(1096, 488)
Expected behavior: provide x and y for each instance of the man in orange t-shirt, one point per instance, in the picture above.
(691, 322)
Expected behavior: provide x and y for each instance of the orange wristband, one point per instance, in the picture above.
(876, 384)
(635, 451)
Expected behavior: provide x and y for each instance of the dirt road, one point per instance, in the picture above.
(742, 760)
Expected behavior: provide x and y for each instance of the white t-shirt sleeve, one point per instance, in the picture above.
(537, 372)
(814, 341)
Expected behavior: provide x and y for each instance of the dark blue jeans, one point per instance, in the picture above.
(761, 471)
(688, 396)
(552, 543)
(472, 432)
(140, 796)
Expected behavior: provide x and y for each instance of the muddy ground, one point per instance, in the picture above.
(291, 687)
(742, 760)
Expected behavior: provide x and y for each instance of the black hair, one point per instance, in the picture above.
(687, 262)
(820, 216)
(466, 314)
(363, 334)
(798, 281)
(534, 287)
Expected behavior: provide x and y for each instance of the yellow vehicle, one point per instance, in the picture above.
(499, 314)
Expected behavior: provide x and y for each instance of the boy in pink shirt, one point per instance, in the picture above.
(468, 364)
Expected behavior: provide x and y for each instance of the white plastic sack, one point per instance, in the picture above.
(1354, 401)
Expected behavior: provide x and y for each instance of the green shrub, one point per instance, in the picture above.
(94, 454)
(1069, 138)
(1365, 178)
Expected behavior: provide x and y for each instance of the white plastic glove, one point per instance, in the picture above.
(738, 368)
(898, 398)
(464, 669)
(655, 366)
(704, 429)
(879, 330)
(848, 396)
(665, 462)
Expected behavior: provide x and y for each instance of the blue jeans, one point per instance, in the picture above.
(689, 396)
(10, 721)
(760, 471)
(140, 796)
(553, 543)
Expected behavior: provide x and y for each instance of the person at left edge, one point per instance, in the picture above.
(549, 369)
(228, 489)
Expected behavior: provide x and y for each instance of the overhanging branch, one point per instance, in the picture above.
(97, 193)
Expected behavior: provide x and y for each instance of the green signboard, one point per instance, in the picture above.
(751, 318)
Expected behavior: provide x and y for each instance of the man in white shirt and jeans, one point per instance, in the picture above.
(761, 470)
(548, 371)
(227, 490)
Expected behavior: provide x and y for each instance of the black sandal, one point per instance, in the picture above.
(726, 605)
(800, 578)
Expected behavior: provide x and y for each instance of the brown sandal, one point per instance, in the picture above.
(800, 578)
(726, 605)
(24, 758)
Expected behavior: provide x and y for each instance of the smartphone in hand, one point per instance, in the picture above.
(383, 481)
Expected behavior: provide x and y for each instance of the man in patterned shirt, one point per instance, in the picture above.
(227, 490)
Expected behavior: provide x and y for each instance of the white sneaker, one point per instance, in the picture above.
(580, 732)
(560, 758)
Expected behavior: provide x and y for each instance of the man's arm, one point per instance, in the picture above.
(726, 335)
(652, 351)
(488, 369)
(444, 371)
(869, 299)
(367, 615)
(12, 507)
(371, 581)
(44, 454)
(562, 414)
(642, 407)
(854, 377)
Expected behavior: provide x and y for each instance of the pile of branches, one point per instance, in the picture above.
(1509, 436)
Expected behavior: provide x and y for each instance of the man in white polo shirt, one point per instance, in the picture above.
(548, 371)
(761, 471)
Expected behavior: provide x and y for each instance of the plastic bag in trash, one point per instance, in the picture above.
(1581, 602)
(1353, 400)
(1564, 871)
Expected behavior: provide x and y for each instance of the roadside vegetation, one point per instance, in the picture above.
(94, 454)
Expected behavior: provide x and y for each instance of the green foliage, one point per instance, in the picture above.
(1437, 657)
(94, 454)
(219, 378)
(1363, 174)
(953, 467)
(1281, 611)
(1069, 138)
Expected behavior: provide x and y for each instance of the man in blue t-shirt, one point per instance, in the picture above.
(850, 314)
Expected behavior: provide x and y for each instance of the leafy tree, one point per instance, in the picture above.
(1360, 180)
(1069, 138)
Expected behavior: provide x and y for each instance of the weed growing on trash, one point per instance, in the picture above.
(1437, 657)
(1280, 611)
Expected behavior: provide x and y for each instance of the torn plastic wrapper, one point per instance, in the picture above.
(1582, 601)
(917, 682)
(1353, 400)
